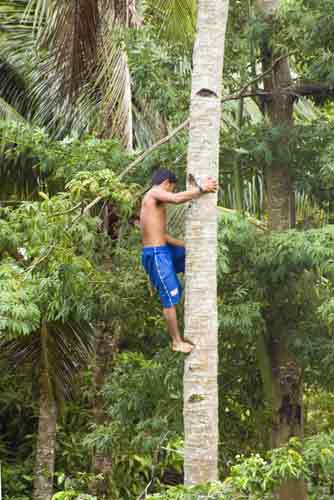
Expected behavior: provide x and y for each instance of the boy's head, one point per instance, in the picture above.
(164, 178)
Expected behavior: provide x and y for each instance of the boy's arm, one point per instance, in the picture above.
(209, 185)
(175, 198)
(174, 241)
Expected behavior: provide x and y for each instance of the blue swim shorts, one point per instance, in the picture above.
(162, 265)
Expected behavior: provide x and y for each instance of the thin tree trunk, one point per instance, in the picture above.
(107, 346)
(46, 437)
(279, 109)
(106, 349)
(288, 415)
(238, 181)
(201, 325)
(283, 387)
(282, 376)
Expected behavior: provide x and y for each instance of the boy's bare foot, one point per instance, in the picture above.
(184, 347)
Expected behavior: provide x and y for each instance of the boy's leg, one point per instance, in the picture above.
(179, 258)
(178, 344)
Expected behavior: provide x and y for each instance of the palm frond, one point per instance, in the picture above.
(17, 58)
(70, 33)
(176, 19)
(60, 352)
(31, 83)
(72, 64)
(16, 27)
(38, 11)
(114, 82)
(69, 30)
(148, 124)
(7, 112)
(13, 91)
(72, 346)
(11, 12)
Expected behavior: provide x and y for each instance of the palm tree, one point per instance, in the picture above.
(201, 324)
(55, 352)
(83, 76)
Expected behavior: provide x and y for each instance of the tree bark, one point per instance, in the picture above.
(47, 427)
(281, 374)
(283, 387)
(201, 325)
(279, 109)
(106, 349)
(288, 414)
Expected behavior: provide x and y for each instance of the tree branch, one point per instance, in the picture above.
(70, 210)
(145, 154)
(312, 88)
(154, 147)
(230, 97)
(183, 125)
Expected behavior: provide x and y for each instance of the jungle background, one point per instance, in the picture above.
(89, 389)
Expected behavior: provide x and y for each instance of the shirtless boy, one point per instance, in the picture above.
(163, 256)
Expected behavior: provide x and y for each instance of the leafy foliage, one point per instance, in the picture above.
(256, 477)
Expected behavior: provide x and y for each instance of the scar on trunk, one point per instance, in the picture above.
(298, 414)
(196, 398)
(290, 412)
(206, 93)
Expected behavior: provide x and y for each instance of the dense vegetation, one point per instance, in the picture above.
(90, 394)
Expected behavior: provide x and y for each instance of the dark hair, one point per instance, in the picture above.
(162, 175)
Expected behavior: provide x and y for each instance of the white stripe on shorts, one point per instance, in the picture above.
(162, 281)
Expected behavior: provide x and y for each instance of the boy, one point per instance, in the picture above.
(163, 256)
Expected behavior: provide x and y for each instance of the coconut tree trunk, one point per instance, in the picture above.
(284, 381)
(46, 437)
(201, 325)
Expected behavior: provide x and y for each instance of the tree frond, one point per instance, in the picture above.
(73, 37)
(7, 112)
(11, 12)
(69, 30)
(176, 19)
(15, 27)
(61, 353)
(82, 74)
(114, 81)
(148, 125)
(38, 11)
(13, 92)
(72, 347)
